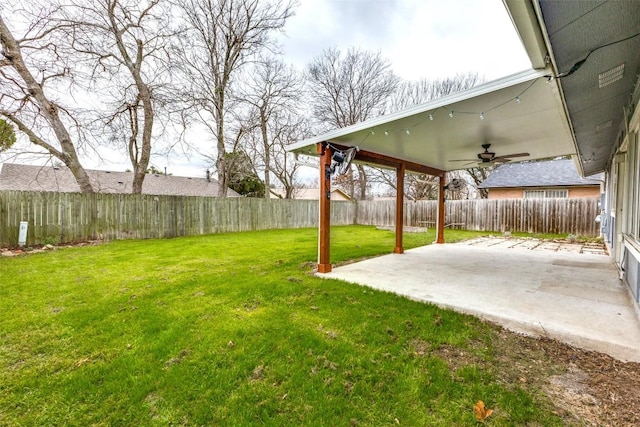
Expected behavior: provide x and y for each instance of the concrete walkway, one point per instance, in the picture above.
(564, 294)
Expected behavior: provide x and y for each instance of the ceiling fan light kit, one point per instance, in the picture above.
(488, 157)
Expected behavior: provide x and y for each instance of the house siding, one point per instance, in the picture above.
(505, 193)
(580, 192)
(621, 208)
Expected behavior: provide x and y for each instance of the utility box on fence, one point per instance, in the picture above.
(22, 235)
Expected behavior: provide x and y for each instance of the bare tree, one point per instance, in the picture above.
(423, 186)
(347, 90)
(222, 37)
(272, 91)
(411, 93)
(478, 175)
(417, 186)
(287, 130)
(123, 46)
(30, 68)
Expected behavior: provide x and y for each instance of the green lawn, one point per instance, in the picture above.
(234, 330)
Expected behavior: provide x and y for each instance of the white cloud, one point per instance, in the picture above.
(421, 38)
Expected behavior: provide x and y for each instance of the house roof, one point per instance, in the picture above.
(507, 113)
(45, 178)
(552, 173)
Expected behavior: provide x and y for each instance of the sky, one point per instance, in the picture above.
(420, 38)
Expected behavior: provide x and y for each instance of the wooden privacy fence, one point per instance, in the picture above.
(558, 216)
(68, 217)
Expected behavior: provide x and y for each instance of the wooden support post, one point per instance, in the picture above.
(440, 223)
(400, 171)
(324, 232)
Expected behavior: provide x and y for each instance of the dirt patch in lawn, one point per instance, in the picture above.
(35, 249)
(585, 386)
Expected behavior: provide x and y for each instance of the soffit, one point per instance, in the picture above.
(597, 114)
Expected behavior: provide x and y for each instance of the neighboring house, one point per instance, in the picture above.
(60, 179)
(313, 194)
(541, 180)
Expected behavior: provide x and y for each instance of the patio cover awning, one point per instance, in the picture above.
(523, 112)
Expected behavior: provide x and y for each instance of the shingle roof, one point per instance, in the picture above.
(45, 178)
(552, 173)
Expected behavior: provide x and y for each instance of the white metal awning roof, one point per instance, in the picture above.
(519, 113)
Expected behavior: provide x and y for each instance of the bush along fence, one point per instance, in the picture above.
(71, 217)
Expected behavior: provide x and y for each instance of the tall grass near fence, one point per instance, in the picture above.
(68, 217)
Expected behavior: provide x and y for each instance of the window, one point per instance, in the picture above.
(546, 194)
(534, 194)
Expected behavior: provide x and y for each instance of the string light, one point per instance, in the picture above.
(451, 113)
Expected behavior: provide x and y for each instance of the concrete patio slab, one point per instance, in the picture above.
(573, 297)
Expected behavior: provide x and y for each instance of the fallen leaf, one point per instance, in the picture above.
(481, 412)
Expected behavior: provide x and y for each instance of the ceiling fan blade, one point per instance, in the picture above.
(475, 164)
(508, 156)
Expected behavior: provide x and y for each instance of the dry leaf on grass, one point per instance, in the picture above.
(481, 412)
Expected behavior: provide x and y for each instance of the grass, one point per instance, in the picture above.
(233, 330)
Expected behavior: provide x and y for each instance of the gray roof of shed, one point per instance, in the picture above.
(45, 178)
(552, 173)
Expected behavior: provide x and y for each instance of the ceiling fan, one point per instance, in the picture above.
(490, 157)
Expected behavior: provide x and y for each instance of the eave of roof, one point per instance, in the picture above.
(605, 35)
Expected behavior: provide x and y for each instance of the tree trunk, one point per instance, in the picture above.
(267, 154)
(221, 162)
(362, 178)
(140, 170)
